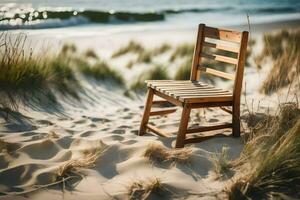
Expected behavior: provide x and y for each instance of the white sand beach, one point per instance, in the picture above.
(98, 134)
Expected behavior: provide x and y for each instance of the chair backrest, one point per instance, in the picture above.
(222, 47)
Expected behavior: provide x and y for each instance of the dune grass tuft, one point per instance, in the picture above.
(270, 160)
(158, 153)
(283, 49)
(130, 64)
(90, 53)
(101, 71)
(157, 73)
(161, 49)
(182, 50)
(184, 71)
(144, 57)
(141, 190)
(221, 162)
(3, 145)
(29, 79)
(72, 168)
(68, 48)
(53, 135)
(132, 47)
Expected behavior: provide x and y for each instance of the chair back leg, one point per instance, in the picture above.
(147, 110)
(183, 126)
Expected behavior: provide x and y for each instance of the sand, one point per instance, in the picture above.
(35, 145)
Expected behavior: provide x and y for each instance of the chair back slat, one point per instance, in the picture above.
(216, 57)
(220, 47)
(217, 73)
(223, 34)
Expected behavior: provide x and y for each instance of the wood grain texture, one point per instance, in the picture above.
(192, 94)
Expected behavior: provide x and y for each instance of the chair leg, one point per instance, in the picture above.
(183, 126)
(147, 109)
(236, 126)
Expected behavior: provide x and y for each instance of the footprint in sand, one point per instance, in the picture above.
(213, 120)
(43, 150)
(134, 132)
(87, 133)
(92, 125)
(80, 121)
(30, 133)
(129, 142)
(119, 131)
(125, 127)
(128, 116)
(44, 122)
(96, 119)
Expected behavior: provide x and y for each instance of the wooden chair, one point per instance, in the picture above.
(192, 94)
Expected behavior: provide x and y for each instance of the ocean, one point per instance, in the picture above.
(41, 14)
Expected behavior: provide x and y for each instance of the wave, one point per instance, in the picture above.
(37, 19)
(49, 19)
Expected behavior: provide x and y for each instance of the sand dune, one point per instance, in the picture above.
(89, 149)
(32, 158)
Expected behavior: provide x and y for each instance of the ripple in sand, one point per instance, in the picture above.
(42, 150)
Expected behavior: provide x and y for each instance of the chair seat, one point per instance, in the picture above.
(190, 91)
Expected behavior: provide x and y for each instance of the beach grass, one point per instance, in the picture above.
(100, 71)
(221, 162)
(3, 145)
(145, 189)
(144, 57)
(90, 53)
(132, 46)
(270, 160)
(182, 50)
(157, 153)
(68, 48)
(283, 48)
(73, 167)
(184, 71)
(156, 73)
(161, 49)
(29, 79)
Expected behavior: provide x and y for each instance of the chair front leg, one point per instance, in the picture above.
(236, 126)
(186, 110)
(147, 110)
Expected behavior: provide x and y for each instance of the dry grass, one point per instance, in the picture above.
(184, 71)
(101, 71)
(221, 162)
(53, 135)
(141, 190)
(249, 52)
(130, 64)
(132, 47)
(144, 57)
(29, 79)
(182, 50)
(270, 160)
(90, 53)
(161, 49)
(72, 168)
(157, 73)
(283, 49)
(158, 153)
(68, 48)
(3, 145)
